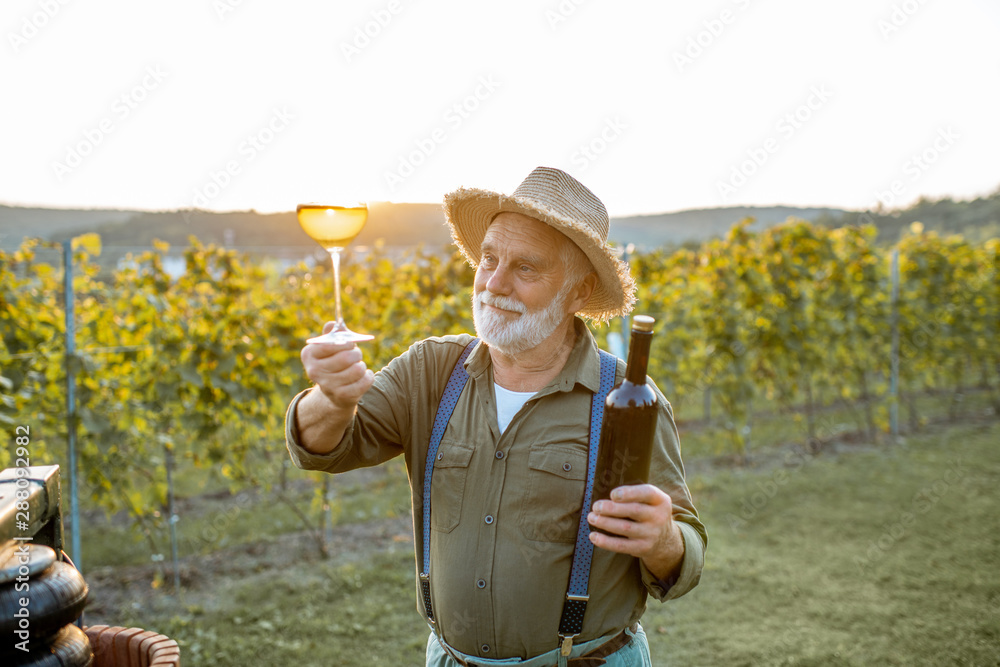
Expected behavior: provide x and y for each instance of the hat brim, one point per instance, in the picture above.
(469, 212)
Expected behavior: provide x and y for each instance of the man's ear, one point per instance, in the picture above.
(582, 292)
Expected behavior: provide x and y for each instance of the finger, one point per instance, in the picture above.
(633, 511)
(623, 545)
(639, 493)
(347, 394)
(330, 377)
(351, 393)
(623, 527)
(328, 327)
(328, 357)
(650, 526)
(335, 371)
(321, 350)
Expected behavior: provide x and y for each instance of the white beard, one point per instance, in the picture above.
(513, 336)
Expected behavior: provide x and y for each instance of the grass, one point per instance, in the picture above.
(349, 614)
(865, 556)
(888, 557)
(252, 517)
(771, 427)
(214, 520)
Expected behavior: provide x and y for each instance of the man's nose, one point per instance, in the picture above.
(499, 281)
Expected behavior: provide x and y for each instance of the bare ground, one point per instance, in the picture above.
(123, 591)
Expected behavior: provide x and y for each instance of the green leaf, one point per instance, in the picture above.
(191, 375)
(90, 243)
(95, 422)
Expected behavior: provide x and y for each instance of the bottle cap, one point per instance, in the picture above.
(642, 323)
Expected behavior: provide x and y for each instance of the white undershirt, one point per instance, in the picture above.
(509, 403)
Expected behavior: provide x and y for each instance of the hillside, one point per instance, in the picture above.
(17, 222)
(406, 225)
(395, 224)
(696, 225)
(976, 219)
(275, 233)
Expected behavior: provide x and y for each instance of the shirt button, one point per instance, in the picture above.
(485, 648)
(499, 455)
(440, 456)
(481, 583)
(489, 519)
(567, 467)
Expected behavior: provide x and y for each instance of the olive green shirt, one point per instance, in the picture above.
(505, 508)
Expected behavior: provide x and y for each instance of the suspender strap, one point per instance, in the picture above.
(456, 383)
(575, 605)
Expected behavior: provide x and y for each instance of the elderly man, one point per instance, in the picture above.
(497, 502)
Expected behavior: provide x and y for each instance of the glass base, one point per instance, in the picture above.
(340, 337)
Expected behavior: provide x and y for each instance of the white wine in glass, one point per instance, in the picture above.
(333, 227)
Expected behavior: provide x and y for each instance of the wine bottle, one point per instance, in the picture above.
(629, 426)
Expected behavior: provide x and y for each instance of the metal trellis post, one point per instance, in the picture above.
(173, 519)
(74, 512)
(894, 377)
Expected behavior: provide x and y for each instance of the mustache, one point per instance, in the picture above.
(504, 302)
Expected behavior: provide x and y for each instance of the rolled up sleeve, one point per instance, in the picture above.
(690, 572)
(303, 458)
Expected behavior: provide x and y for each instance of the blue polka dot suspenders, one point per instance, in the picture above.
(456, 383)
(575, 604)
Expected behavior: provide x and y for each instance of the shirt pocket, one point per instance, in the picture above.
(451, 469)
(550, 511)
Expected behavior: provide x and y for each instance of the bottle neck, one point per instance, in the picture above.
(638, 357)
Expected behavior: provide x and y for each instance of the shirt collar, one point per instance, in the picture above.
(582, 367)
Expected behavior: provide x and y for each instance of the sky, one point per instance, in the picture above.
(655, 106)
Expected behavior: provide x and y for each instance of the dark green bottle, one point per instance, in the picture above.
(629, 425)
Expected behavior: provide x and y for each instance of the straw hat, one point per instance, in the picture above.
(564, 203)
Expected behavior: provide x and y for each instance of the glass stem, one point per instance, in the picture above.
(335, 258)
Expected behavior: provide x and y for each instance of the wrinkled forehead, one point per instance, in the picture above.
(509, 228)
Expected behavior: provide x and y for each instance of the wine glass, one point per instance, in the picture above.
(333, 227)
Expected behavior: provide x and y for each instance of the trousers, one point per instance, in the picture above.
(633, 654)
